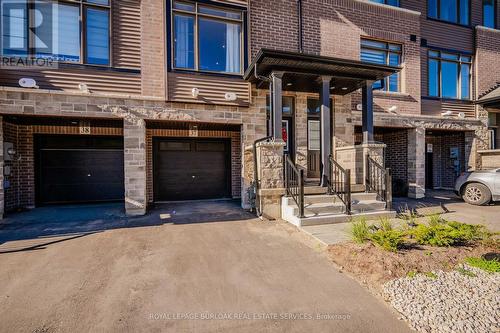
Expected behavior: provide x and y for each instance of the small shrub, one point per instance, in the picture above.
(431, 275)
(448, 233)
(390, 240)
(466, 272)
(491, 266)
(359, 230)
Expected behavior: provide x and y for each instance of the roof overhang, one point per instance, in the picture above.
(491, 99)
(302, 70)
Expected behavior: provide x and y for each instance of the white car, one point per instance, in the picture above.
(479, 187)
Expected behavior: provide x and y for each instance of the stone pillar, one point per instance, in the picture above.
(270, 173)
(376, 152)
(2, 192)
(134, 135)
(416, 163)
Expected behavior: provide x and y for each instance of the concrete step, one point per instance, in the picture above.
(314, 190)
(362, 196)
(343, 218)
(367, 206)
(319, 209)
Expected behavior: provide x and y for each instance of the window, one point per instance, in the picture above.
(449, 75)
(455, 11)
(388, 2)
(57, 33)
(489, 10)
(383, 53)
(206, 38)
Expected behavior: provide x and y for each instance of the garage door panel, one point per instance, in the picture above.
(198, 173)
(87, 173)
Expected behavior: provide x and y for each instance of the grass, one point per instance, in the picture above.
(491, 266)
(431, 275)
(360, 230)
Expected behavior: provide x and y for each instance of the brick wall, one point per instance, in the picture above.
(153, 48)
(487, 59)
(21, 191)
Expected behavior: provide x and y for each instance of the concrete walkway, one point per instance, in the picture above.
(161, 274)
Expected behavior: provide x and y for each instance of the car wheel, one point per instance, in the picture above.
(476, 194)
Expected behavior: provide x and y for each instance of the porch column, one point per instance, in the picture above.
(416, 162)
(134, 137)
(277, 104)
(326, 133)
(367, 113)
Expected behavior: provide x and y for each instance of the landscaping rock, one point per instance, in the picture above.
(452, 302)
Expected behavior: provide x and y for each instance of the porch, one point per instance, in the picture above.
(324, 177)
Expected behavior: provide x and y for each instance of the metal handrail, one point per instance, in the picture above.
(379, 181)
(339, 183)
(294, 183)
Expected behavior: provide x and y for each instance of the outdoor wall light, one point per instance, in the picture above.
(195, 92)
(11, 151)
(344, 88)
(83, 88)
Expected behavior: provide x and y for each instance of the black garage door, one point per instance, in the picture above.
(74, 169)
(187, 169)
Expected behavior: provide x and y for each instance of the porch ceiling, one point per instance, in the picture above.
(302, 70)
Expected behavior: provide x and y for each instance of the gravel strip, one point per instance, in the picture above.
(452, 302)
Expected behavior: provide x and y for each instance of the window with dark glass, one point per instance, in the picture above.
(387, 2)
(455, 11)
(57, 32)
(449, 75)
(383, 53)
(489, 10)
(206, 38)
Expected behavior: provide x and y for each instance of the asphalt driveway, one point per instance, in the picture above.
(169, 271)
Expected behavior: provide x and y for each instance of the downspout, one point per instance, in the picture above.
(299, 14)
(255, 143)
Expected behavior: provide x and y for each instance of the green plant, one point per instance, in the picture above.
(466, 272)
(431, 275)
(436, 219)
(446, 233)
(390, 240)
(385, 224)
(359, 230)
(491, 266)
(411, 274)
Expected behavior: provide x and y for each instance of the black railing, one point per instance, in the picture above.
(339, 183)
(294, 183)
(379, 181)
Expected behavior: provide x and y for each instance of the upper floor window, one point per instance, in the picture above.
(449, 75)
(206, 38)
(455, 11)
(489, 10)
(52, 29)
(383, 53)
(388, 2)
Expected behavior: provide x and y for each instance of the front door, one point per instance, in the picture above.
(313, 148)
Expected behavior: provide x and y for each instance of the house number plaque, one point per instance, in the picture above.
(84, 127)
